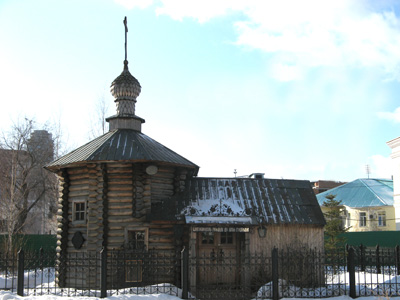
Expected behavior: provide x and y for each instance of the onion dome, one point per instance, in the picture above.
(125, 89)
(125, 86)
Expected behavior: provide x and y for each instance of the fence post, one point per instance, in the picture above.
(352, 272)
(41, 258)
(184, 272)
(398, 259)
(362, 257)
(275, 275)
(20, 274)
(378, 260)
(103, 273)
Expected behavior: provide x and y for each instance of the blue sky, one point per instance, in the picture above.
(295, 89)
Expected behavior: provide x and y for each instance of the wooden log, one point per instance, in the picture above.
(124, 221)
(117, 233)
(113, 173)
(117, 241)
(121, 200)
(119, 212)
(117, 165)
(78, 194)
(119, 188)
(79, 170)
(117, 194)
(161, 186)
(160, 231)
(79, 185)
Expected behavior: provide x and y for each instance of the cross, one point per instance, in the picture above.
(126, 37)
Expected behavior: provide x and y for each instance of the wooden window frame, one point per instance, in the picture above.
(226, 236)
(208, 237)
(138, 229)
(75, 211)
(137, 264)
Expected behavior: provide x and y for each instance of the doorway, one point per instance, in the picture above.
(218, 258)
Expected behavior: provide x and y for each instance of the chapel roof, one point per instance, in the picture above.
(122, 145)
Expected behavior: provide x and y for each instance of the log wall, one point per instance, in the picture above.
(118, 198)
(78, 191)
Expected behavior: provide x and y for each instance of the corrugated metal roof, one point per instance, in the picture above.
(275, 201)
(121, 145)
(362, 193)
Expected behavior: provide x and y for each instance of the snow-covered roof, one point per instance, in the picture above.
(245, 200)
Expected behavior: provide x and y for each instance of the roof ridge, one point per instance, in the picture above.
(109, 134)
(146, 137)
(371, 190)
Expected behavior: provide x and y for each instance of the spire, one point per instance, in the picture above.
(125, 89)
(126, 39)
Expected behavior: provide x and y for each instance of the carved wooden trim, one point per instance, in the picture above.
(63, 224)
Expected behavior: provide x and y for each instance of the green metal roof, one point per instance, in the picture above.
(362, 193)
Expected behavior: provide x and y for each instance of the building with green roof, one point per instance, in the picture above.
(367, 204)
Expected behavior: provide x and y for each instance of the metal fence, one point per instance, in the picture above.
(356, 272)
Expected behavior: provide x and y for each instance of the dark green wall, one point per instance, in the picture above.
(33, 241)
(373, 238)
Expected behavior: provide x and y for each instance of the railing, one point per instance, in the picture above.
(98, 274)
(282, 273)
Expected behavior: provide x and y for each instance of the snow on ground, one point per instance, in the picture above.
(375, 285)
(4, 295)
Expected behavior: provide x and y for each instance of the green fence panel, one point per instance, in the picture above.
(32, 241)
(372, 238)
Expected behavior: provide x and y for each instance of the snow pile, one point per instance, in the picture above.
(4, 295)
(292, 291)
(31, 278)
(339, 285)
(43, 282)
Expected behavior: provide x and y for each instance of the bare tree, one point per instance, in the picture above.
(26, 188)
(98, 118)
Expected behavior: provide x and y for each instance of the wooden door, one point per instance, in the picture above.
(218, 258)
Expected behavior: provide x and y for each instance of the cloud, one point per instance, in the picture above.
(381, 166)
(130, 4)
(392, 116)
(200, 10)
(306, 34)
(285, 72)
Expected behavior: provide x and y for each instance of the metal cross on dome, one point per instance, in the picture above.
(126, 37)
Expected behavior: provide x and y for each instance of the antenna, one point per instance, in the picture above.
(367, 170)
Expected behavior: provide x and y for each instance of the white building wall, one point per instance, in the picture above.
(395, 146)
